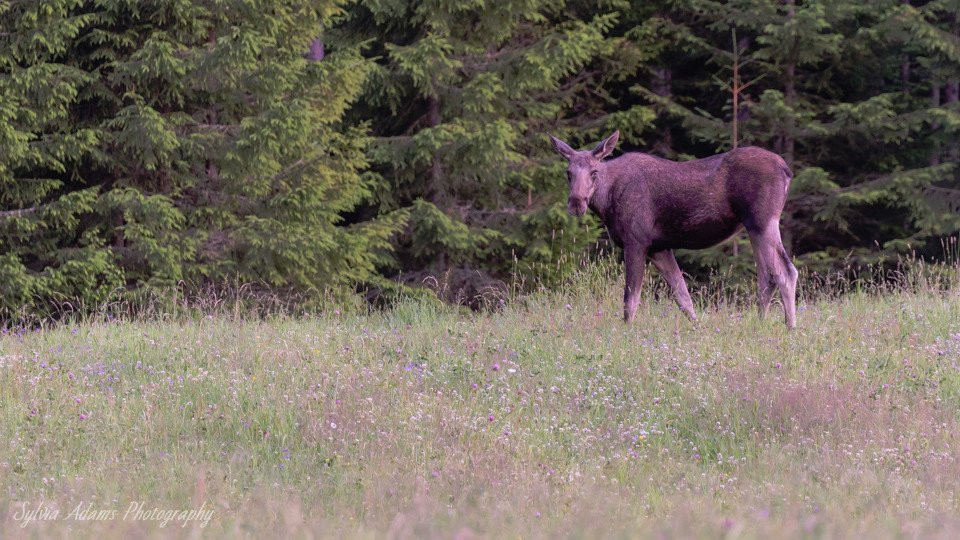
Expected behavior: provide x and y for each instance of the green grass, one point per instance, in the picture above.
(548, 418)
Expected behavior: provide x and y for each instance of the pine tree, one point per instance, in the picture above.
(48, 249)
(153, 142)
(930, 34)
(147, 143)
(830, 99)
(878, 188)
(463, 96)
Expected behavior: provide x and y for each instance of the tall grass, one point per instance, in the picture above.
(541, 416)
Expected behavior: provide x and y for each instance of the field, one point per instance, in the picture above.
(548, 417)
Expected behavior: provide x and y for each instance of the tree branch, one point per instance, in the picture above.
(17, 213)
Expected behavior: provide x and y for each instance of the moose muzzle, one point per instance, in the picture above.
(577, 206)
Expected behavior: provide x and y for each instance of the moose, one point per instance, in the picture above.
(652, 206)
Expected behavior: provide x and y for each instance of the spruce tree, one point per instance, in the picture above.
(463, 96)
(48, 246)
(151, 142)
(834, 99)
(930, 36)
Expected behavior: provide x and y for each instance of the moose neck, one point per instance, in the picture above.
(600, 200)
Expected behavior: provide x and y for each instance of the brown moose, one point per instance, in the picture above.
(652, 206)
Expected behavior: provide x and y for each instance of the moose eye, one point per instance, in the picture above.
(594, 175)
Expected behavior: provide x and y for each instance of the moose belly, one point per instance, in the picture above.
(696, 233)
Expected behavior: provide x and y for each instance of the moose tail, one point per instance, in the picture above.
(787, 175)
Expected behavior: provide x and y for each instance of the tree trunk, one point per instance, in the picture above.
(736, 88)
(735, 118)
(905, 73)
(663, 86)
(436, 172)
(436, 192)
(952, 95)
(786, 145)
(210, 167)
(935, 102)
(789, 93)
(905, 66)
(17, 213)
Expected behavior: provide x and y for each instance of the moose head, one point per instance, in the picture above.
(584, 170)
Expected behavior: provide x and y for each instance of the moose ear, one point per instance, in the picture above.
(606, 146)
(561, 147)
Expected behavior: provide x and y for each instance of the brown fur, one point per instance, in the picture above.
(652, 206)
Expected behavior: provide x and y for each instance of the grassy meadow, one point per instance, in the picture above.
(548, 417)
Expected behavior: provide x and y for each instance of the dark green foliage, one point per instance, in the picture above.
(842, 94)
(461, 101)
(147, 143)
(153, 142)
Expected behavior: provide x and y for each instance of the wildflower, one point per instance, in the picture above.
(490, 418)
(495, 366)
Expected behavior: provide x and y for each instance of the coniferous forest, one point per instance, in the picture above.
(326, 145)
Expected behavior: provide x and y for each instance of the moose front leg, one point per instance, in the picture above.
(634, 259)
(667, 264)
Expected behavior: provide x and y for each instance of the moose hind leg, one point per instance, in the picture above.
(765, 285)
(788, 285)
(666, 263)
(634, 260)
(774, 269)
